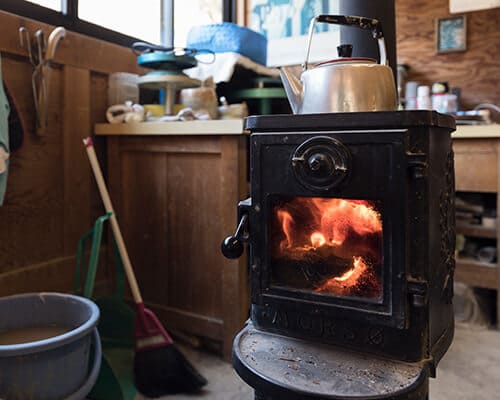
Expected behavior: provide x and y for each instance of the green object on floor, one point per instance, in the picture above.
(116, 324)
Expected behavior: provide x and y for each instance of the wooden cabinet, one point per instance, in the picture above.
(176, 198)
(477, 165)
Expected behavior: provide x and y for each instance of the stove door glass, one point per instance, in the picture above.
(328, 246)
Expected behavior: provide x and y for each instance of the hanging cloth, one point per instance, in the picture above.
(4, 138)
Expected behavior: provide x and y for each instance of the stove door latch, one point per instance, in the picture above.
(419, 292)
(232, 246)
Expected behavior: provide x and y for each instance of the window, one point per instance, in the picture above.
(209, 12)
(52, 4)
(137, 19)
(126, 21)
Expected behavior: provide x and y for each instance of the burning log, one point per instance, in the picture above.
(310, 267)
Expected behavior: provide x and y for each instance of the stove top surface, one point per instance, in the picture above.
(354, 120)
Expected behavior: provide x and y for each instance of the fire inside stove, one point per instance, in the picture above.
(328, 246)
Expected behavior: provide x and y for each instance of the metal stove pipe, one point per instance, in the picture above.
(364, 45)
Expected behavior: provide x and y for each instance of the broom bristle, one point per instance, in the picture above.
(165, 370)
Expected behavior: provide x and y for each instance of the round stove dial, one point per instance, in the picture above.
(321, 162)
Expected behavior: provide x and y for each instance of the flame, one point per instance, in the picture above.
(286, 222)
(339, 231)
(317, 239)
(353, 281)
(355, 273)
(339, 216)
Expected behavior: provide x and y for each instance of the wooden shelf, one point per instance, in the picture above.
(476, 273)
(476, 231)
(477, 169)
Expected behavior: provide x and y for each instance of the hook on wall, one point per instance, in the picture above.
(41, 60)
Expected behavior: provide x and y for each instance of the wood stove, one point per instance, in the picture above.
(351, 232)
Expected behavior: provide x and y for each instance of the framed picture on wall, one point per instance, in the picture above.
(451, 34)
(285, 23)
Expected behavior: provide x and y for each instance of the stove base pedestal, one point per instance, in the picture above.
(279, 368)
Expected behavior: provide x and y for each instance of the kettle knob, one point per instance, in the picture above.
(345, 50)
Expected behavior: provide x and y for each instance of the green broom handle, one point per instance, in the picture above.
(127, 265)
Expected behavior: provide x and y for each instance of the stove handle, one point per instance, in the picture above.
(232, 246)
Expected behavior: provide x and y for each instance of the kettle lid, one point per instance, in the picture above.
(345, 54)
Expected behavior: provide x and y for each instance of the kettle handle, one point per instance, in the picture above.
(370, 24)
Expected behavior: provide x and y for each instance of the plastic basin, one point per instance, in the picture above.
(53, 368)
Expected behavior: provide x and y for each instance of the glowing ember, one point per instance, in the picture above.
(358, 266)
(352, 282)
(336, 243)
(317, 239)
(351, 277)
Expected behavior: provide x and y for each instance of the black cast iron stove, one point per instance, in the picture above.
(351, 233)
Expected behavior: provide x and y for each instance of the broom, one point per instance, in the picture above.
(159, 367)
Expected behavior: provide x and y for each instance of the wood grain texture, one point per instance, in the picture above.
(176, 200)
(497, 165)
(234, 275)
(477, 166)
(76, 127)
(51, 200)
(31, 217)
(475, 162)
(476, 71)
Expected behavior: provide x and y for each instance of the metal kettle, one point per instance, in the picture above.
(346, 84)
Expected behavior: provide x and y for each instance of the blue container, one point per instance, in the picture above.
(229, 37)
(53, 368)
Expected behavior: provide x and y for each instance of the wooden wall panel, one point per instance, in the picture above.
(76, 180)
(32, 212)
(51, 197)
(476, 71)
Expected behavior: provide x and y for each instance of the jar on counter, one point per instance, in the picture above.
(439, 90)
(423, 98)
(411, 95)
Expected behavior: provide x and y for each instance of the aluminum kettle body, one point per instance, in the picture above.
(346, 84)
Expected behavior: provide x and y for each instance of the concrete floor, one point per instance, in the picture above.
(469, 371)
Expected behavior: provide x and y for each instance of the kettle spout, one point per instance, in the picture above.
(293, 88)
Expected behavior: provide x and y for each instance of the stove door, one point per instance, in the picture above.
(330, 231)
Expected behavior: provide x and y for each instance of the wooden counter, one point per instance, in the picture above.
(211, 127)
(175, 188)
(476, 131)
(477, 166)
